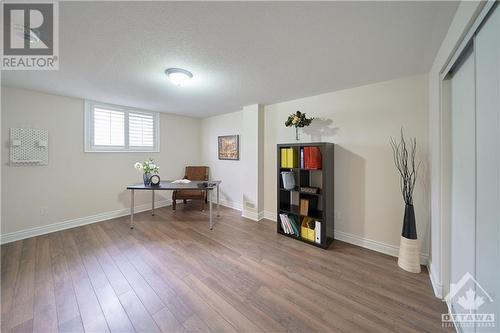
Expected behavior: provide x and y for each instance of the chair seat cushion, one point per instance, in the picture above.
(189, 194)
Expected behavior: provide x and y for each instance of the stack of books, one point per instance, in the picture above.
(310, 158)
(288, 158)
(289, 224)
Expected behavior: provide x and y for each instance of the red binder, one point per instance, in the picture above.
(312, 158)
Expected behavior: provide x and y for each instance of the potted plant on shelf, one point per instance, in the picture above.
(299, 120)
(147, 168)
(404, 159)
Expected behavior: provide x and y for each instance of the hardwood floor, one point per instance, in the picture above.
(172, 274)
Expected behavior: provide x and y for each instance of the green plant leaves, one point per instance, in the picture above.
(298, 119)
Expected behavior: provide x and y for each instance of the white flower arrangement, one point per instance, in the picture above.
(147, 166)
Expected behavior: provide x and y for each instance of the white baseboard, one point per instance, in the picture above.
(436, 285)
(254, 216)
(374, 245)
(259, 216)
(37, 231)
(361, 241)
(229, 204)
(340, 235)
(269, 215)
(245, 213)
(251, 215)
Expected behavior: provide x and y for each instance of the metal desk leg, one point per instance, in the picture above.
(210, 207)
(131, 209)
(218, 204)
(153, 203)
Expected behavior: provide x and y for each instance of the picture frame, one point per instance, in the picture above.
(229, 147)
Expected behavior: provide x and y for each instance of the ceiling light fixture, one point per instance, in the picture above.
(179, 76)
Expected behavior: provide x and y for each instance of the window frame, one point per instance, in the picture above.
(90, 147)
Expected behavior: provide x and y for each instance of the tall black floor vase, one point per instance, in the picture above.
(409, 254)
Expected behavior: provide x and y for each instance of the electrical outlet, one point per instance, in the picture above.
(338, 215)
(44, 210)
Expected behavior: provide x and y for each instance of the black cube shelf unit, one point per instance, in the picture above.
(320, 204)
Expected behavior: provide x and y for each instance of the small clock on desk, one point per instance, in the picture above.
(155, 180)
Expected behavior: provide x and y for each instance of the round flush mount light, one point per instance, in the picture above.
(179, 76)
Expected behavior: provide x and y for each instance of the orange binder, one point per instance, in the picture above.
(312, 158)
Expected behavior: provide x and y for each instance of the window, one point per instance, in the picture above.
(112, 128)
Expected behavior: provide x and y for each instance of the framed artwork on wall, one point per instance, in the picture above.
(229, 147)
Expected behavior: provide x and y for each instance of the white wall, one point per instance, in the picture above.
(1, 160)
(242, 181)
(75, 184)
(360, 121)
(439, 255)
(230, 172)
(253, 161)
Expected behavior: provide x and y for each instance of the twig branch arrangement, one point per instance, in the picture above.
(404, 159)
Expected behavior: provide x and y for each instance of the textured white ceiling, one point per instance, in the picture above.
(240, 53)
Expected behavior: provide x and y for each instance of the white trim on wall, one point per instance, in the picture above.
(361, 241)
(436, 286)
(483, 10)
(270, 215)
(253, 215)
(229, 204)
(343, 236)
(374, 245)
(37, 231)
(366, 243)
(89, 129)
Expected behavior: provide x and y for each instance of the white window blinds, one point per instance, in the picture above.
(109, 127)
(113, 128)
(141, 129)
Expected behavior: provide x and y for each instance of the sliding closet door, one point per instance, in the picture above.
(487, 54)
(463, 173)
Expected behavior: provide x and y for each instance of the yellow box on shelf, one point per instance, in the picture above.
(284, 159)
(307, 229)
(292, 158)
(288, 158)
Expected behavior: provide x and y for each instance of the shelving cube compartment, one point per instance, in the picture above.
(306, 232)
(321, 204)
(29, 146)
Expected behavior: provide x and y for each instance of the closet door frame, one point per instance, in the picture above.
(444, 162)
(445, 143)
(463, 174)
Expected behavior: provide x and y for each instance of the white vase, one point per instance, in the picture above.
(409, 255)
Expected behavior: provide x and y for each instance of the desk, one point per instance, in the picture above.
(169, 186)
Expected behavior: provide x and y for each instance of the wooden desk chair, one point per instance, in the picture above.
(192, 173)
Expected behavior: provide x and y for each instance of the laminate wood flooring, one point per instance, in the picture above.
(172, 274)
